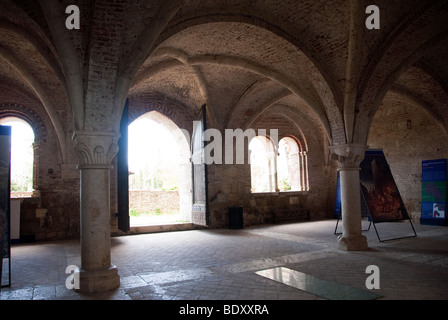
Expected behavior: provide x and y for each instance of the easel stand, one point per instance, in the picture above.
(365, 213)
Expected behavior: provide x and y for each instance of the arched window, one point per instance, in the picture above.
(292, 169)
(284, 170)
(262, 165)
(22, 156)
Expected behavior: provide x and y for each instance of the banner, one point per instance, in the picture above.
(379, 189)
(5, 161)
(338, 202)
(434, 191)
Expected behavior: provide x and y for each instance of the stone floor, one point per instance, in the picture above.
(222, 264)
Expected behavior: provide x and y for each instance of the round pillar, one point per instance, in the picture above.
(96, 151)
(349, 157)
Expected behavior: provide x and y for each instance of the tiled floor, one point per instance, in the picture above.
(222, 264)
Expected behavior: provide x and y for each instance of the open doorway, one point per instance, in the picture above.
(159, 172)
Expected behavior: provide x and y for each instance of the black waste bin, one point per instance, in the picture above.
(236, 217)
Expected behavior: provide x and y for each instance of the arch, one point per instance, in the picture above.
(183, 161)
(175, 111)
(15, 110)
(282, 167)
(204, 17)
(29, 33)
(406, 95)
(169, 124)
(143, 46)
(292, 165)
(395, 56)
(23, 169)
(41, 93)
(326, 106)
(46, 51)
(241, 63)
(399, 94)
(298, 120)
(375, 101)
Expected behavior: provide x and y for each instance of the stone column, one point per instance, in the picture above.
(272, 181)
(349, 157)
(96, 151)
(304, 168)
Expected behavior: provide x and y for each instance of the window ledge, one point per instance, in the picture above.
(22, 195)
(280, 193)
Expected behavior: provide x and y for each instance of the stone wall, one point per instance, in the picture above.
(408, 135)
(154, 201)
(231, 184)
(52, 210)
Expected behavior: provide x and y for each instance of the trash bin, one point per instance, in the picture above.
(236, 217)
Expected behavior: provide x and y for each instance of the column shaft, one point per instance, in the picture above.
(349, 158)
(352, 238)
(96, 151)
(95, 219)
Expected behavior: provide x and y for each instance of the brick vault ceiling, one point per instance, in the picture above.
(242, 56)
(223, 63)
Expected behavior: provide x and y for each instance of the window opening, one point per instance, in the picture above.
(288, 165)
(22, 157)
(262, 165)
(284, 170)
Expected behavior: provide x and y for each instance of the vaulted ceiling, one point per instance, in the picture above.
(241, 58)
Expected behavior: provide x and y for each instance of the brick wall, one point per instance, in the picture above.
(408, 135)
(52, 210)
(231, 184)
(152, 201)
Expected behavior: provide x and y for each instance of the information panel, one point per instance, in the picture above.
(434, 191)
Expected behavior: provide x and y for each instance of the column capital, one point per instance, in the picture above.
(348, 156)
(95, 149)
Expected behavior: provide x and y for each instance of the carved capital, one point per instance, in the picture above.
(348, 156)
(95, 150)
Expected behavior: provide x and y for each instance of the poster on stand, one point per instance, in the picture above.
(380, 198)
(380, 190)
(5, 185)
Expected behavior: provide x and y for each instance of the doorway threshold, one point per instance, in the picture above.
(162, 228)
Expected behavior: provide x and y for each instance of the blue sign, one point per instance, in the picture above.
(434, 192)
(337, 204)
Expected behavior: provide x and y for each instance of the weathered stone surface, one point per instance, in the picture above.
(307, 68)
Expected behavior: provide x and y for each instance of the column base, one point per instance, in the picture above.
(353, 243)
(99, 280)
